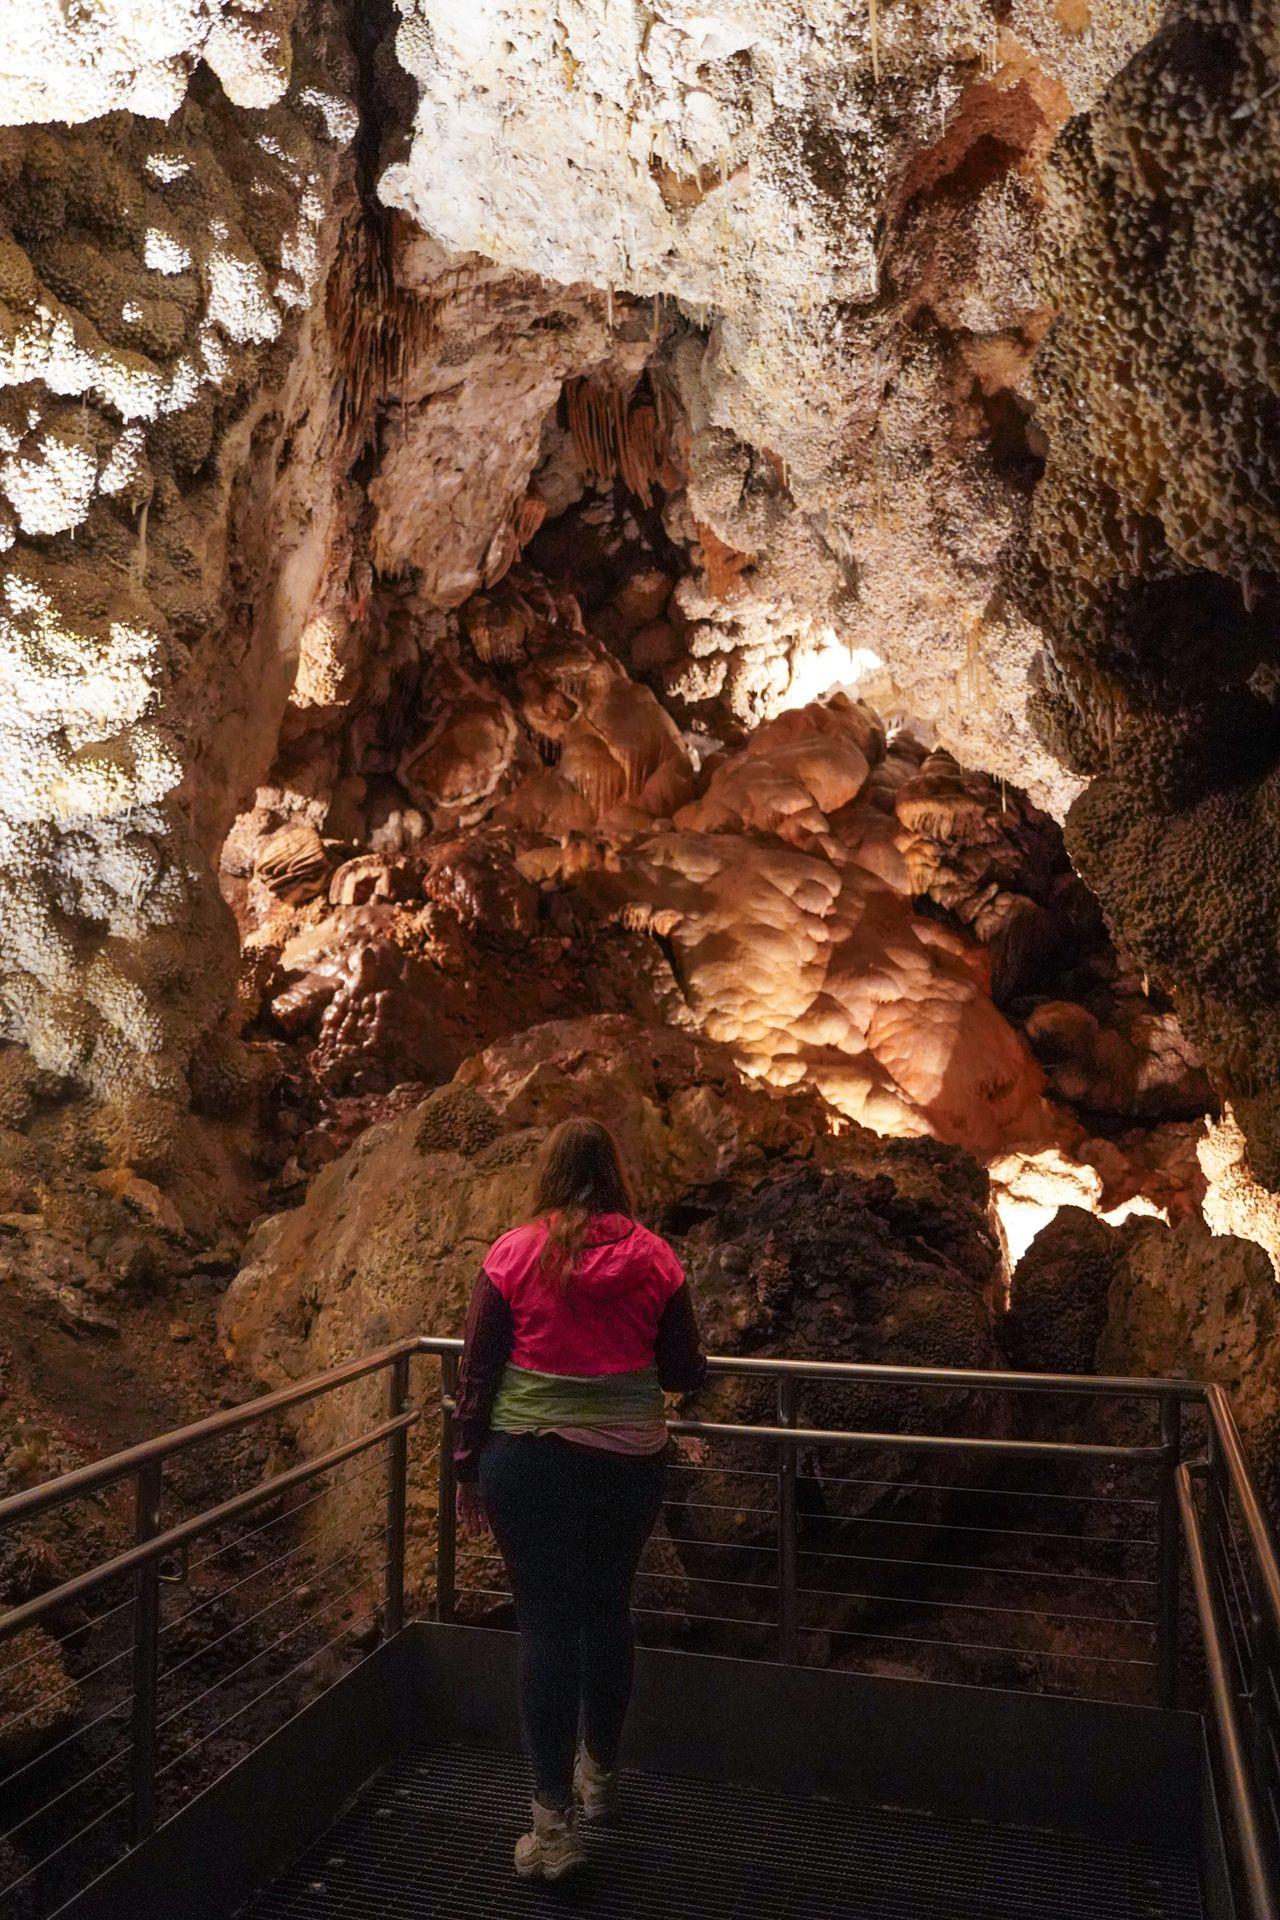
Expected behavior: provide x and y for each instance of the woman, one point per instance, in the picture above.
(578, 1322)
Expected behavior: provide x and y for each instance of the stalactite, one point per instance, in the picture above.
(640, 452)
(591, 412)
(380, 328)
(140, 561)
(513, 537)
(628, 437)
(778, 466)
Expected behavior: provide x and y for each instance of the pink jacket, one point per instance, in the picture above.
(606, 1320)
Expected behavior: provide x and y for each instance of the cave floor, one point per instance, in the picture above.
(431, 1838)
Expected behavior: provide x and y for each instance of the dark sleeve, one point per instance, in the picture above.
(486, 1350)
(681, 1363)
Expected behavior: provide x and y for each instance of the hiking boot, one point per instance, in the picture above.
(553, 1848)
(594, 1787)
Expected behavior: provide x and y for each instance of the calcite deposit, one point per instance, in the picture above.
(157, 278)
(73, 64)
(839, 906)
(842, 201)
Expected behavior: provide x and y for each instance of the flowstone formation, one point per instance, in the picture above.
(840, 906)
(1155, 563)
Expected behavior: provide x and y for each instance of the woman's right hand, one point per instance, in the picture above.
(473, 1521)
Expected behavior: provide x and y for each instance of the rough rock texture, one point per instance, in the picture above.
(1058, 1309)
(825, 1260)
(1194, 1302)
(1234, 1201)
(1156, 541)
(818, 898)
(38, 1698)
(841, 204)
(155, 284)
(75, 64)
(889, 1259)
(799, 1241)
(1145, 1298)
(390, 1236)
(447, 775)
(841, 909)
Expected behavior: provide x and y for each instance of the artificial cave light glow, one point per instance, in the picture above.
(1027, 1190)
(824, 666)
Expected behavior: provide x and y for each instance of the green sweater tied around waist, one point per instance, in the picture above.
(527, 1401)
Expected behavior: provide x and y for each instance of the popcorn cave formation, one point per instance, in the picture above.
(716, 567)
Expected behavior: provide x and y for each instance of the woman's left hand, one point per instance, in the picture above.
(472, 1518)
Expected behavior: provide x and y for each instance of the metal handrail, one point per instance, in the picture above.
(972, 1379)
(157, 1546)
(794, 1436)
(100, 1473)
(145, 1464)
(1246, 1491)
(787, 1438)
(1244, 1809)
(876, 1373)
(1178, 1518)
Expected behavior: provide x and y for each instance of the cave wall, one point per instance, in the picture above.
(74, 64)
(297, 377)
(1154, 563)
(280, 494)
(160, 364)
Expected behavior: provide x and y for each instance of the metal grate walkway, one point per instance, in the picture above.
(431, 1839)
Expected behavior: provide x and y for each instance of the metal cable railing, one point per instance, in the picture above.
(1236, 1580)
(800, 1567)
(211, 1649)
(961, 1544)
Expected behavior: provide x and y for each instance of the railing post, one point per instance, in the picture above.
(788, 1635)
(397, 1492)
(1217, 1509)
(1168, 1557)
(146, 1657)
(447, 1520)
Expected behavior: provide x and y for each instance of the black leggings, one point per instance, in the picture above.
(571, 1522)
